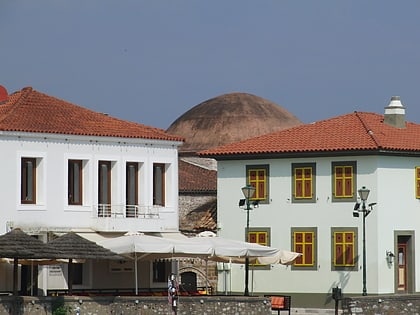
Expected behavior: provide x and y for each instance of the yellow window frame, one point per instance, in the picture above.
(343, 180)
(303, 180)
(303, 243)
(257, 181)
(344, 243)
(417, 179)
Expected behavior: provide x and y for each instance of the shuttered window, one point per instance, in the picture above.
(304, 241)
(303, 182)
(304, 244)
(344, 248)
(418, 182)
(258, 176)
(259, 235)
(344, 181)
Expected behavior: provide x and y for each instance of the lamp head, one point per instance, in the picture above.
(248, 191)
(364, 193)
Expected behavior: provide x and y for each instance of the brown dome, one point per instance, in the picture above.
(229, 118)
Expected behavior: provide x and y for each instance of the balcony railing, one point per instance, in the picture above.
(126, 211)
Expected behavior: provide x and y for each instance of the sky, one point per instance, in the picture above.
(150, 61)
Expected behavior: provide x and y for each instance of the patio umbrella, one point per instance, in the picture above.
(219, 248)
(138, 246)
(73, 246)
(283, 257)
(16, 245)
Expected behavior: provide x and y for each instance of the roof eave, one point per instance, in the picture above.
(301, 154)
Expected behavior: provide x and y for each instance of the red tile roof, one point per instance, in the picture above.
(31, 111)
(193, 178)
(358, 131)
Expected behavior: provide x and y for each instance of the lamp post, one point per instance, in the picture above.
(363, 194)
(248, 192)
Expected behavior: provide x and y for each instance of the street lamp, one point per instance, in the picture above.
(248, 192)
(363, 194)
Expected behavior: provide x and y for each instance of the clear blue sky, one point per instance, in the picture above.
(151, 61)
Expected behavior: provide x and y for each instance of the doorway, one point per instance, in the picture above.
(404, 262)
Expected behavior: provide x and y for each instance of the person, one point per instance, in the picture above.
(173, 292)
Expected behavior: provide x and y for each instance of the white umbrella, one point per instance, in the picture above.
(217, 247)
(139, 246)
(283, 257)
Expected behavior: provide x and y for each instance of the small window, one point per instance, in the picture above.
(344, 248)
(77, 274)
(303, 184)
(344, 181)
(75, 182)
(28, 181)
(159, 184)
(161, 271)
(418, 182)
(104, 189)
(132, 187)
(259, 235)
(257, 176)
(304, 242)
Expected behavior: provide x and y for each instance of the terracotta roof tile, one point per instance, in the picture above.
(193, 178)
(358, 131)
(31, 111)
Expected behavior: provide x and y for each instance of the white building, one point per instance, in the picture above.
(66, 168)
(307, 180)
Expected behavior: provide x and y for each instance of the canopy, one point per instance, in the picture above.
(73, 246)
(214, 248)
(139, 246)
(16, 244)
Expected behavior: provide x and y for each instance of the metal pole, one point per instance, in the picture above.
(364, 249)
(246, 293)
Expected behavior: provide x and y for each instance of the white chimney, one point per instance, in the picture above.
(395, 113)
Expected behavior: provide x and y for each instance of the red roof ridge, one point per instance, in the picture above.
(367, 128)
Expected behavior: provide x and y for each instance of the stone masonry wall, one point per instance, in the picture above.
(198, 305)
(406, 304)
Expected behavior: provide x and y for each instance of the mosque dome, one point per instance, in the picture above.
(229, 118)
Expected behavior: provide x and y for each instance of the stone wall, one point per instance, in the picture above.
(82, 305)
(382, 305)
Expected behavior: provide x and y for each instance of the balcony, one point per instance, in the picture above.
(125, 211)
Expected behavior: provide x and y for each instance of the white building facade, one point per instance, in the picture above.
(65, 168)
(307, 180)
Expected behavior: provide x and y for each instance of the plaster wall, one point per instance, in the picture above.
(391, 181)
(52, 212)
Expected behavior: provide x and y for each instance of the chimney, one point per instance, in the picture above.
(395, 113)
(3, 95)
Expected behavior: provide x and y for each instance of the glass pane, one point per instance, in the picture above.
(29, 180)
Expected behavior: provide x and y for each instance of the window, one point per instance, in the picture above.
(104, 189)
(77, 274)
(131, 193)
(418, 182)
(344, 248)
(344, 181)
(161, 270)
(259, 235)
(28, 181)
(257, 176)
(303, 185)
(75, 180)
(159, 184)
(304, 242)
